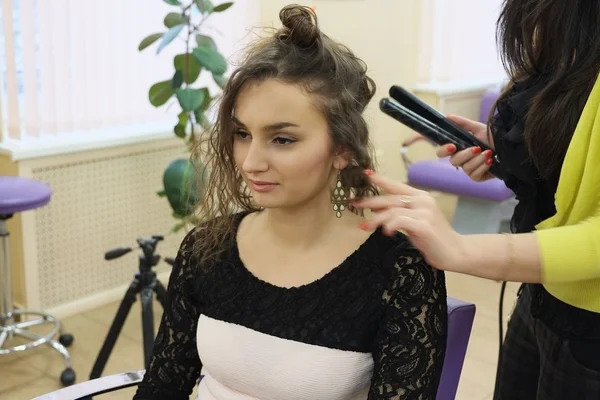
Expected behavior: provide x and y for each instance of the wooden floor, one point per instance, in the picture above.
(32, 373)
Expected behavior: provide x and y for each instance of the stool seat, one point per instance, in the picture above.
(21, 194)
(442, 176)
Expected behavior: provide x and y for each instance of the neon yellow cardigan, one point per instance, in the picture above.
(570, 240)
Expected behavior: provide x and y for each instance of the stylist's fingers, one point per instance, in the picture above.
(474, 163)
(481, 172)
(464, 156)
(445, 150)
(395, 219)
(392, 186)
(474, 127)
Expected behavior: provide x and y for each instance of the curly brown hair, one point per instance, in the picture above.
(300, 54)
(556, 43)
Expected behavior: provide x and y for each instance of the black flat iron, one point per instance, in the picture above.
(411, 111)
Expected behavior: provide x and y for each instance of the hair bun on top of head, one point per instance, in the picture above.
(299, 25)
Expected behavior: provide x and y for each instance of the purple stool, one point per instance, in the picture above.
(19, 194)
(460, 322)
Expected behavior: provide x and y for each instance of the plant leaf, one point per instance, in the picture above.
(160, 93)
(198, 115)
(148, 40)
(207, 99)
(161, 193)
(183, 118)
(190, 99)
(179, 131)
(172, 19)
(210, 59)
(173, 2)
(201, 119)
(220, 80)
(205, 6)
(177, 227)
(169, 36)
(199, 112)
(222, 7)
(188, 65)
(183, 190)
(206, 41)
(177, 80)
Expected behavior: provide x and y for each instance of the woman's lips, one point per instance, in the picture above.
(260, 186)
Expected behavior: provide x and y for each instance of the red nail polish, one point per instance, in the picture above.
(487, 153)
(451, 148)
(368, 172)
(363, 226)
(489, 161)
(476, 150)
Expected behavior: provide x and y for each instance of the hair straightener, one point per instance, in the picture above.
(420, 117)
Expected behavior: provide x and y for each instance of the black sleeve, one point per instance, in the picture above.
(174, 367)
(411, 342)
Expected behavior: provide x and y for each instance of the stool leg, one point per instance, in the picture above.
(6, 306)
(52, 343)
(9, 329)
(68, 375)
(3, 336)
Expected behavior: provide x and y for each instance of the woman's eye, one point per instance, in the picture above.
(242, 135)
(283, 140)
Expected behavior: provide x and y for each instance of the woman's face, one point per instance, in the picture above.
(282, 146)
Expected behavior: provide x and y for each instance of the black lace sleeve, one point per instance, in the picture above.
(175, 366)
(411, 342)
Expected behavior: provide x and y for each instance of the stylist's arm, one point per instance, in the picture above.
(416, 213)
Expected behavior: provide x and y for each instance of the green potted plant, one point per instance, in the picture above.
(181, 185)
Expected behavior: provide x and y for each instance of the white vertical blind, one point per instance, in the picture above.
(71, 69)
(10, 104)
(458, 42)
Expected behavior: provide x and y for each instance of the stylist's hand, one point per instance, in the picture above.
(473, 161)
(416, 213)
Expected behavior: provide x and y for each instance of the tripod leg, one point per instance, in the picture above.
(161, 293)
(146, 297)
(114, 330)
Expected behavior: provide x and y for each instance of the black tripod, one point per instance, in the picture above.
(146, 284)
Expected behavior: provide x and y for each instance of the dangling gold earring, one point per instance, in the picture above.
(338, 197)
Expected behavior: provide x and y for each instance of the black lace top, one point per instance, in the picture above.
(384, 302)
(535, 194)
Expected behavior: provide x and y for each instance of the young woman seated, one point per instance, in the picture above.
(280, 294)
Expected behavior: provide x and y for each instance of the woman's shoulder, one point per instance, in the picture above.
(405, 266)
(226, 225)
(395, 248)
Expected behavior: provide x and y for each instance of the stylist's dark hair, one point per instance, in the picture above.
(299, 54)
(559, 41)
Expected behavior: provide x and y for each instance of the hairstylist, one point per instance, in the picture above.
(546, 131)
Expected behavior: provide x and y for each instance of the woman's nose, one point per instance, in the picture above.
(256, 158)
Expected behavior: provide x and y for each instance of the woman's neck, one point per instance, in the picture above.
(303, 227)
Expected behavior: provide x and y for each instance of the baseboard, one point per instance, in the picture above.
(97, 300)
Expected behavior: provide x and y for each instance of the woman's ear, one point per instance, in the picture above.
(340, 163)
(342, 158)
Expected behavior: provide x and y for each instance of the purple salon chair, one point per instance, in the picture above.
(19, 194)
(482, 207)
(460, 322)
